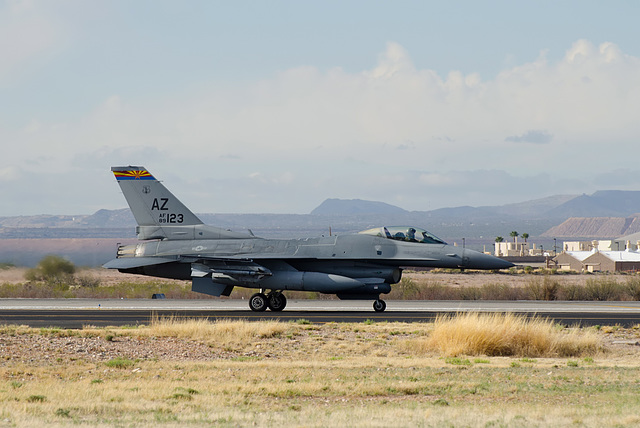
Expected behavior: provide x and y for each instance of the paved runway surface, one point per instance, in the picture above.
(75, 313)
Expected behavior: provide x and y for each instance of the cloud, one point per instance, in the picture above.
(535, 137)
(587, 97)
(28, 35)
(395, 59)
(391, 132)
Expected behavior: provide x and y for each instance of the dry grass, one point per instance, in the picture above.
(294, 374)
(506, 335)
(221, 332)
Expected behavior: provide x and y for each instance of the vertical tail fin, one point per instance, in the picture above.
(151, 203)
(159, 214)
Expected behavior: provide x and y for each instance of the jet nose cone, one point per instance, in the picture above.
(502, 264)
(485, 261)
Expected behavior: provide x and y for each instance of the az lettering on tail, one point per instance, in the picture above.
(156, 205)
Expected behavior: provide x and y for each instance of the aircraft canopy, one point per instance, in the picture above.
(404, 233)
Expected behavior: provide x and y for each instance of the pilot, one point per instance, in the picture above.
(411, 235)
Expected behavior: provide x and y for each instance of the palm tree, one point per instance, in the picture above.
(496, 247)
(514, 235)
(525, 236)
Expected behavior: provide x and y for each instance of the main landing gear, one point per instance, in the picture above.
(275, 301)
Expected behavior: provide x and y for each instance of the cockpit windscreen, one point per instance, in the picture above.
(404, 233)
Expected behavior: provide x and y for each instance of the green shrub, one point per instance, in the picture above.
(119, 363)
(456, 361)
(500, 291)
(633, 287)
(36, 398)
(407, 289)
(88, 281)
(470, 293)
(64, 413)
(52, 269)
(572, 292)
(603, 289)
(543, 288)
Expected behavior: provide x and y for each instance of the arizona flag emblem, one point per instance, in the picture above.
(133, 175)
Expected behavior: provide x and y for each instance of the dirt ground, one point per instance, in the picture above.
(621, 346)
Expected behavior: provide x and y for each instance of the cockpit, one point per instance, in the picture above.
(404, 233)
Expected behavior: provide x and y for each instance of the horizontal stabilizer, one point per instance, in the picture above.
(132, 262)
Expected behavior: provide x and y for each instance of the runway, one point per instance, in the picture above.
(76, 313)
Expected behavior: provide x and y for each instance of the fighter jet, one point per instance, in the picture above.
(176, 244)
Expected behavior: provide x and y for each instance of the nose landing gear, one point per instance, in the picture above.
(379, 305)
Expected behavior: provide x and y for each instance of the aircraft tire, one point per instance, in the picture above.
(276, 301)
(379, 305)
(258, 302)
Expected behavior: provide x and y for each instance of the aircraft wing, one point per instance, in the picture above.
(132, 262)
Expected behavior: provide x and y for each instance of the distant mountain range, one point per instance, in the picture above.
(609, 203)
(355, 207)
(595, 227)
(606, 203)
(538, 208)
(536, 217)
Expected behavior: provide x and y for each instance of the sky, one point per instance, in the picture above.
(275, 106)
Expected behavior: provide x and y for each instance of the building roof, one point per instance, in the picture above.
(622, 256)
(580, 255)
(616, 256)
(634, 237)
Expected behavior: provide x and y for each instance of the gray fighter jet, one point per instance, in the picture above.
(176, 244)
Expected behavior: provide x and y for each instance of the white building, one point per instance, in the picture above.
(517, 249)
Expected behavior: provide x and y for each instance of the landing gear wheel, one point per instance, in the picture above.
(276, 301)
(379, 305)
(258, 302)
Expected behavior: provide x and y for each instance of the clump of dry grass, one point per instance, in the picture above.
(506, 335)
(221, 332)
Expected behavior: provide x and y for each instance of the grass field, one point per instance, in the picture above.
(299, 374)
